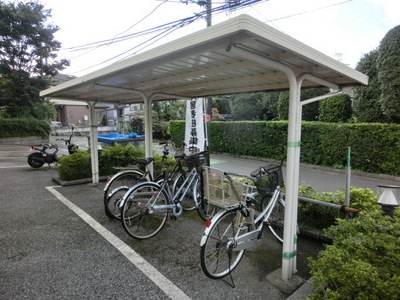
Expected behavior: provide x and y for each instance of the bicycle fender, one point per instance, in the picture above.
(208, 229)
(136, 186)
(119, 173)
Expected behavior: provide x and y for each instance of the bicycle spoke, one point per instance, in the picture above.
(138, 218)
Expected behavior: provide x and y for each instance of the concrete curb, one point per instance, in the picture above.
(76, 182)
(303, 291)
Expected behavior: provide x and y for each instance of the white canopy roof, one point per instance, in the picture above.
(199, 65)
(237, 56)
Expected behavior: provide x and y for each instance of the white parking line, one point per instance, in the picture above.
(170, 289)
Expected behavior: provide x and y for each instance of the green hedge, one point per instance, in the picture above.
(375, 147)
(24, 127)
(362, 262)
(78, 165)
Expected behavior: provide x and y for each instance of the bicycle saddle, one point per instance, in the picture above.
(145, 161)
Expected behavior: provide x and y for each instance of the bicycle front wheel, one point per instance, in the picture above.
(125, 179)
(218, 256)
(140, 219)
(276, 220)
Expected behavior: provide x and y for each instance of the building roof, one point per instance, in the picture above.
(201, 65)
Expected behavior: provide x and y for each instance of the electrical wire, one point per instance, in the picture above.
(165, 29)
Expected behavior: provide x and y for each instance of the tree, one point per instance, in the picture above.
(367, 102)
(269, 104)
(388, 63)
(27, 58)
(335, 109)
(310, 111)
(247, 107)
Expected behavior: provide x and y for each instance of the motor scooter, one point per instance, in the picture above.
(42, 156)
(37, 159)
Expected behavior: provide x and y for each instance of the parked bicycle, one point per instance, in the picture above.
(120, 183)
(145, 207)
(236, 228)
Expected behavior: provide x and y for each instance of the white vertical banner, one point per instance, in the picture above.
(194, 125)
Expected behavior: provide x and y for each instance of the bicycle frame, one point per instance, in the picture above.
(253, 237)
(173, 204)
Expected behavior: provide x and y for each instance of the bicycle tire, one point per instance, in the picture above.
(187, 201)
(137, 217)
(205, 209)
(125, 179)
(113, 202)
(276, 220)
(217, 257)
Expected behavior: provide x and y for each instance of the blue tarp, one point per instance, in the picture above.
(115, 137)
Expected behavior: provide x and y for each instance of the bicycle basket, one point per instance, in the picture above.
(194, 161)
(222, 192)
(268, 178)
(182, 153)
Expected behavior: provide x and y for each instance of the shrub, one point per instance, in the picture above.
(78, 165)
(335, 109)
(321, 217)
(75, 166)
(118, 156)
(362, 263)
(374, 147)
(24, 127)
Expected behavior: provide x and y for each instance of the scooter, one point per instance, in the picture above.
(38, 159)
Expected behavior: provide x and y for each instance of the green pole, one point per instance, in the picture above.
(348, 175)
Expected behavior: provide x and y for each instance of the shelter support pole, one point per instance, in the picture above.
(148, 120)
(297, 106)
(93, 142)
(293, 157)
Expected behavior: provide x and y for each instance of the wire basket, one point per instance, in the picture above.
(190, 158)
(268, 178)
(222, 191)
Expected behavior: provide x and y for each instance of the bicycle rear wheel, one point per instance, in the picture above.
(276, 220)
(218, 256)
(126, 179)
(205, 209)
(139, 219)
(113, 201)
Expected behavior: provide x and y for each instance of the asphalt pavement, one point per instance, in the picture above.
(57, 243)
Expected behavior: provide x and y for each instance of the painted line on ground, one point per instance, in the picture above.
(11, 167)
(214, 161)
(170, 289)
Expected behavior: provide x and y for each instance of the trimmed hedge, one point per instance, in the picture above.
(78, 165)
(375, 147)
(362, 262)
(24, 127)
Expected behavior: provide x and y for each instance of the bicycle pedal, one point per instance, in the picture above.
(173, 218)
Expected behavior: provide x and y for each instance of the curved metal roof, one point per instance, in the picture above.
(200, 65)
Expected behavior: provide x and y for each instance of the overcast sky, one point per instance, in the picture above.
(342, 29)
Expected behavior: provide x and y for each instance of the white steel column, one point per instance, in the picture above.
(293, 157)
(93, 142)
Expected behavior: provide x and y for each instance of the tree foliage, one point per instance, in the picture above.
(335, 109)
(27, 58)
(247, 107)
(362, 262)
(367, 102)
(388, 63)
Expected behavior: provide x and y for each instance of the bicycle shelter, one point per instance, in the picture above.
(241, 55)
